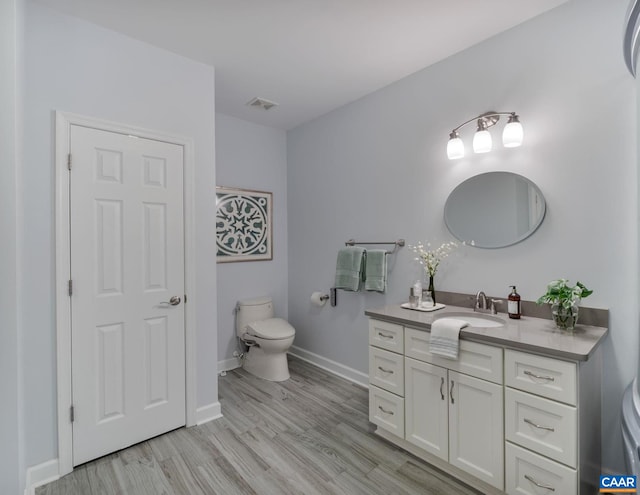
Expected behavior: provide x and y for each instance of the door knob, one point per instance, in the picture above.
(174, 301)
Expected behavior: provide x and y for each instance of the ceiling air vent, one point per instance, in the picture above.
(261, 103)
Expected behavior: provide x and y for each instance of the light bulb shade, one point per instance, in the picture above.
(513, 134)
(482, 142)
(455, 148)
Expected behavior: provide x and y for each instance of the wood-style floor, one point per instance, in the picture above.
(308, 435)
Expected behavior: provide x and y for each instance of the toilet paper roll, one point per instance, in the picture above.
(316, 299)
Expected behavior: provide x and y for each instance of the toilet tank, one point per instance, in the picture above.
(260, 308)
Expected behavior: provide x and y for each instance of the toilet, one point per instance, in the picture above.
(268, 339)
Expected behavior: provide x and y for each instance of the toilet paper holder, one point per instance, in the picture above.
(332, 297)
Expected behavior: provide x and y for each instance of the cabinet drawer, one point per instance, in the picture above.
(542, 425)
(543, 376)
(386, 410)
(479, 360)
(528, 474)
(386, 370)
(386, 335)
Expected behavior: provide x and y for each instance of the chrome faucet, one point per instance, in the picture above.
(481, 304)
(481, 297)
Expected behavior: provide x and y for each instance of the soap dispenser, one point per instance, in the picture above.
(513, 306)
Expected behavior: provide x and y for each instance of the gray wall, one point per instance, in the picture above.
(251, 156)
(75, 66)
(377, 169)
(11, 455)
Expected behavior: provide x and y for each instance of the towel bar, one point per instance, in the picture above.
(397, 244)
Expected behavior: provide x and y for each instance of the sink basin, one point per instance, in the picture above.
(474, 319)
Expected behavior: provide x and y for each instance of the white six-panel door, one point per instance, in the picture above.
(127, 262)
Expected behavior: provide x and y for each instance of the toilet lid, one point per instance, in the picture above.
(271, 329)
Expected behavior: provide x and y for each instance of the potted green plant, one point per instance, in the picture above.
(565, 301)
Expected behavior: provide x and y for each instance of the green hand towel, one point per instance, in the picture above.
(376, 270)
(350, 268)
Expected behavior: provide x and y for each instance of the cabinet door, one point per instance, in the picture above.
(426, 411)
(476, 435)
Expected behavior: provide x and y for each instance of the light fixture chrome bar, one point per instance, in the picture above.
(511, 137)
(484, 116)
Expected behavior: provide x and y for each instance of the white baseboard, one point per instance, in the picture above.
(208, 413)
(315, 359)
(41, 474)
(334, 367)
(228, 364)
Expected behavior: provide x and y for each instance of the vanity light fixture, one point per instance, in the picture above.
(512, 135)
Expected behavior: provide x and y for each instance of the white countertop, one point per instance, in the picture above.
(528, 334)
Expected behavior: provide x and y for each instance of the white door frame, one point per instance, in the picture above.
(64, 121)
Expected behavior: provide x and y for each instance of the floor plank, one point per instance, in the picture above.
(102, 476)
(309, 435)
(180, 477)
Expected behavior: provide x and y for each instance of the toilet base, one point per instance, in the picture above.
(273, 366)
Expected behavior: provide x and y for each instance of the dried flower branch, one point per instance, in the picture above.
(429, 258)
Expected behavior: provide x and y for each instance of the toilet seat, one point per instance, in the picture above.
(271, 329)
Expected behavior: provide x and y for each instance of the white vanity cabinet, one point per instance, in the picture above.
(451, 409)
(454, 408)
(500, 419)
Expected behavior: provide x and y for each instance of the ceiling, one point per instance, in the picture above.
(309, 56)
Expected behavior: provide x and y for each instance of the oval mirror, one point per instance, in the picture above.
(494, 210)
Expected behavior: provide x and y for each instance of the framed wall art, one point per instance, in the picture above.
(243, 225)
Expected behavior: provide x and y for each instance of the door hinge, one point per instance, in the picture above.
(185, 299)
(72, 414)
(70, 287)
(69, 161)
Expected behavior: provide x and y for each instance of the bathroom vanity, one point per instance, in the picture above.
(517, 412)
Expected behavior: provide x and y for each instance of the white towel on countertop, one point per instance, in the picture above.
(444, 337)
